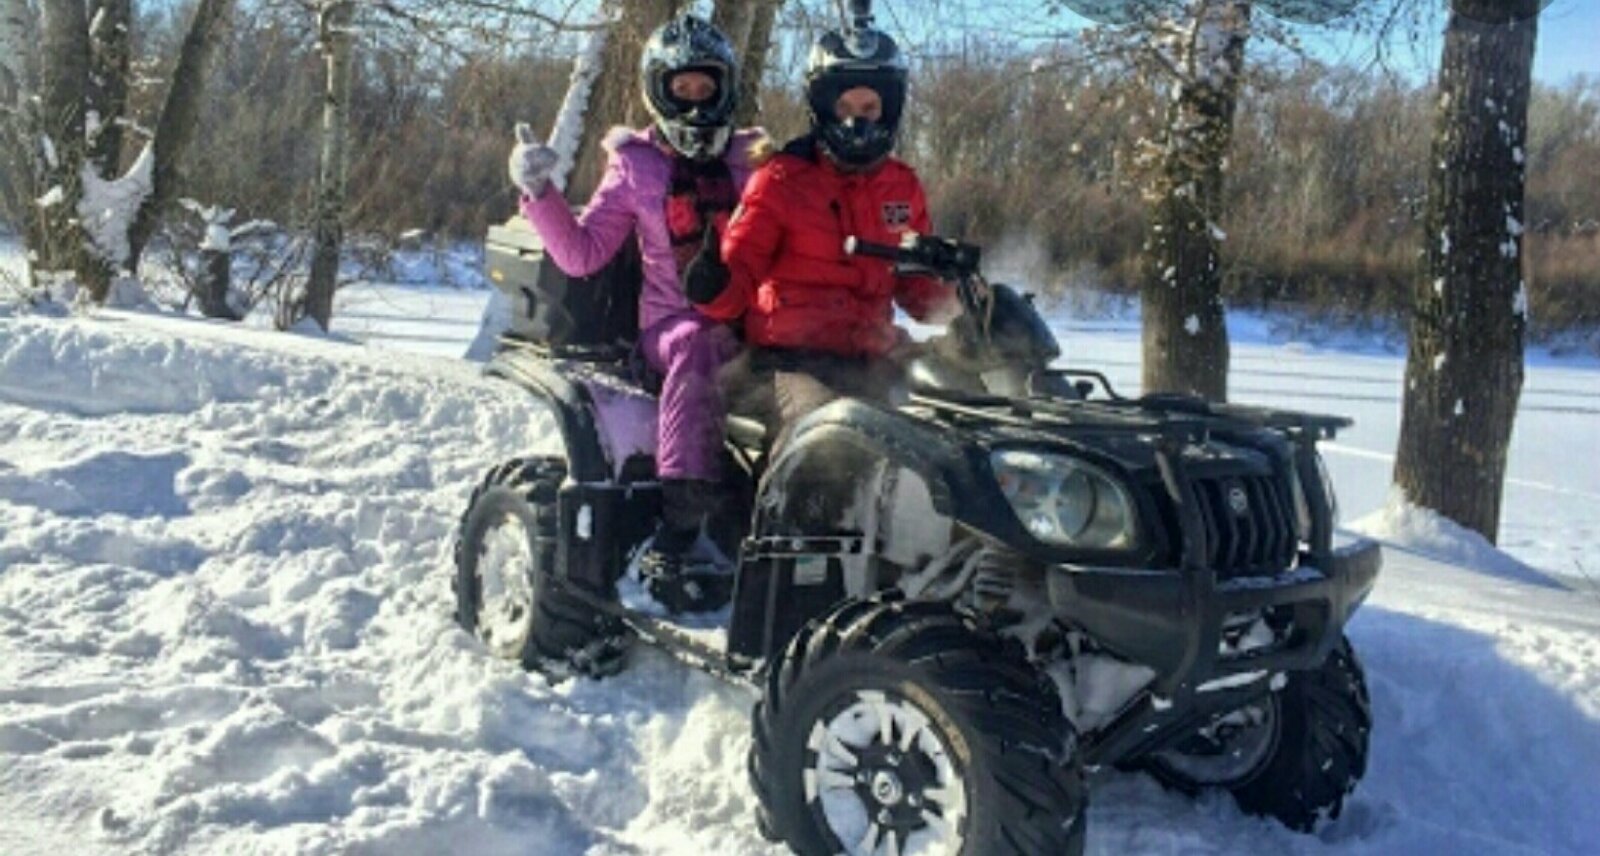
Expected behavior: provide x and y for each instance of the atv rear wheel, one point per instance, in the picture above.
(1293, 755)
(507, 591)
(894, 726)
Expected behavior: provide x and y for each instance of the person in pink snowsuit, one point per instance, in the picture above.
(665, 184)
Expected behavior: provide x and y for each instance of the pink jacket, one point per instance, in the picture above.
(631, 197)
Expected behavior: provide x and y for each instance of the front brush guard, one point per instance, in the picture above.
(1173, 622)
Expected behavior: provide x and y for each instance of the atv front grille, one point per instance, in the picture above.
(1249, 523)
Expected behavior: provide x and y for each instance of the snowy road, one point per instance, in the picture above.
(224, 627)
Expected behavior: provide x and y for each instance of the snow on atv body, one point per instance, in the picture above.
(953, 606)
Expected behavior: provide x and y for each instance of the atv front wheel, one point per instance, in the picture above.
(899, 727)
(507, 590)
(1293, 755)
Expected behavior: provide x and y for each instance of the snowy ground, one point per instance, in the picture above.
(224, 617)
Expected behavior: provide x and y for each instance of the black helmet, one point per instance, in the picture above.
(841, 61)
(701, 129)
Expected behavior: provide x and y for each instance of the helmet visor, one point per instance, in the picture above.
(694, 88)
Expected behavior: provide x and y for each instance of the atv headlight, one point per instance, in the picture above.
(1066, 501)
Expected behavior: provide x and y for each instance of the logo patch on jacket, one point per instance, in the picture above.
(897, 215)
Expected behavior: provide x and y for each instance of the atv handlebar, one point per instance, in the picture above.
(945, 257)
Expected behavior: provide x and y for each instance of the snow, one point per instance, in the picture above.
(1094, 688)
(108, 207)
(225, 613)
(568, 131)
(218, 237)
(1403, 526)
(1192, 325)
(224, 622)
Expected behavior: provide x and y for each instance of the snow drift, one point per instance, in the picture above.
(225, 627)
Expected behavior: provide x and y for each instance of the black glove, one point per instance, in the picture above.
(706, 277)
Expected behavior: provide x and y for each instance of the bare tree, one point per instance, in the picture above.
(179, 119)
(1185, 332)
(1464, 369)
(335, 21)
(734, 18)
(63, 243)
(749, 24)
(86, 219)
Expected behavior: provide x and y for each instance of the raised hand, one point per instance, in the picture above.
(532, 162)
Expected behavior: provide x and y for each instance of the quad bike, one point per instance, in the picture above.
(952, 607)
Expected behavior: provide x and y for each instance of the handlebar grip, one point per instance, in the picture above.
(854, 246)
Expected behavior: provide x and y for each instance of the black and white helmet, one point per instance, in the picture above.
(844, 60)
(701, 129)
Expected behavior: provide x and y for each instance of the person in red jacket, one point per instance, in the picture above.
(819, 322)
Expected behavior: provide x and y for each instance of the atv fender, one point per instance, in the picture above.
(809, 547)
(568, 401)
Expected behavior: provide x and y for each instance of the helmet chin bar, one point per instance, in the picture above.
(857, 142)
(695, 142)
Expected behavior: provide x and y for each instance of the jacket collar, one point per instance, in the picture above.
(809, 150)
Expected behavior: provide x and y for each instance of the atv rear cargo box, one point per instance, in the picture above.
(596, 314)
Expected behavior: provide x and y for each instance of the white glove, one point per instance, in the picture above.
(531, 162)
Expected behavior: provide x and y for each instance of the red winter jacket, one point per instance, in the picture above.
(790, 277)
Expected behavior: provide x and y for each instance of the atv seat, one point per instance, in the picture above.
(746, 433)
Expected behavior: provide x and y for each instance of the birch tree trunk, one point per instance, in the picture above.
(616, 99)
(1464, 367)
(1185, 336)
(180, 116)
(335, 22)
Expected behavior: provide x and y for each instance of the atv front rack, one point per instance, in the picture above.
(1165, 413)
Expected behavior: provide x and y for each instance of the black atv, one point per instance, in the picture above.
(952, 607)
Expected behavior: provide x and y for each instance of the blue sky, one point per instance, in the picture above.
(1569, 41)
(1569, 33)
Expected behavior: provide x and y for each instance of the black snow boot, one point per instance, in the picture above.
(683, 569)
